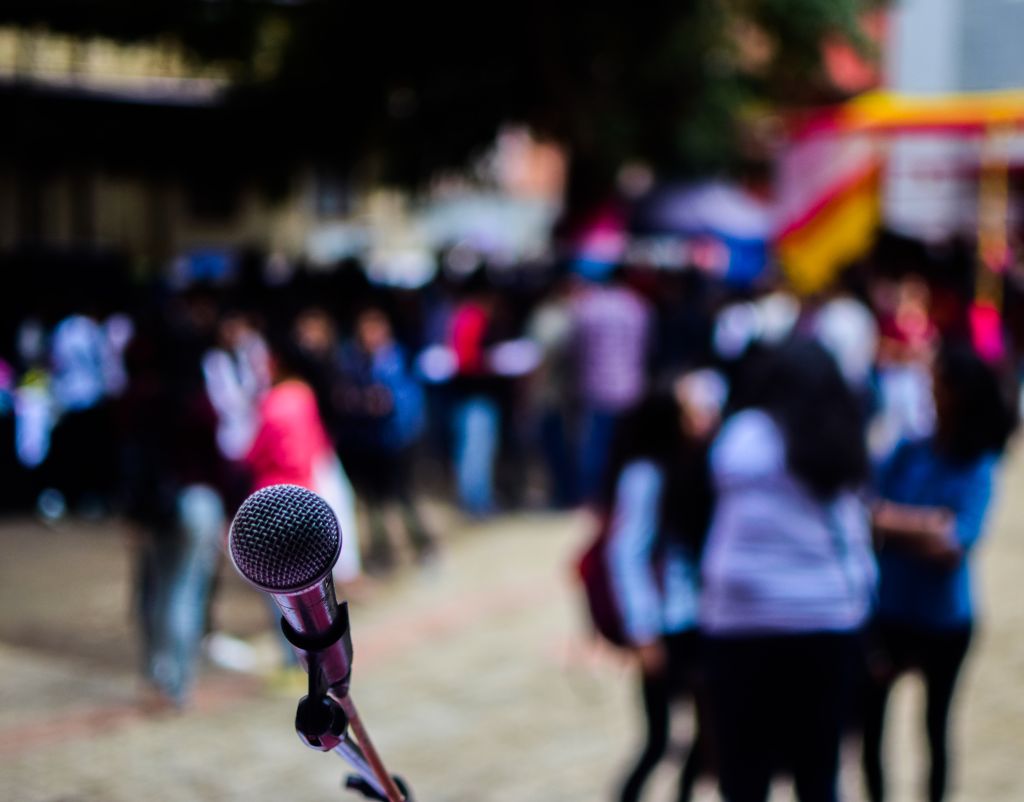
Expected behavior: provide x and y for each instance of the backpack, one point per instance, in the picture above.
(592, 569)
(598, 593)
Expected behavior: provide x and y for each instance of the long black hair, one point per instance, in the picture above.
(975, 416)
(650, 431)
(798, 383)
(653, 431)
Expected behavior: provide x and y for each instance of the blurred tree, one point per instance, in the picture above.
(410, 89)
(662, 83)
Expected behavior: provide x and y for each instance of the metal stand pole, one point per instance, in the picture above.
(363, 756)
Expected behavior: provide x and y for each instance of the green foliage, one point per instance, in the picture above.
(422, 86)
(798, 27)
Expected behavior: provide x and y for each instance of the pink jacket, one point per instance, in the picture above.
(290, 441)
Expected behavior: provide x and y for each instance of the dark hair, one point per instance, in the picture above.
(653, 431)
(291, 360)
(799, 385)
(977, 416)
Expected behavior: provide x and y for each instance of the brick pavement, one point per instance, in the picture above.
(472, 677)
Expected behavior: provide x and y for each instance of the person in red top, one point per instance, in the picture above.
(469, 327)
(476, 415)
(908, 343)
(291, 440)
(291, 446)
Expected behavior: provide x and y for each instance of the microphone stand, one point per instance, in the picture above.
(325, 715)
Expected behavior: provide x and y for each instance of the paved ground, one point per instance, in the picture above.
(472, 676)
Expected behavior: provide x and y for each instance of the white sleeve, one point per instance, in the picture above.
(632, 540)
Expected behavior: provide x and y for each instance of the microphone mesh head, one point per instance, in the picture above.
(284, 538)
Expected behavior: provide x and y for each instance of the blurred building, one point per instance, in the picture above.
(941, 48)
(115, 146)
(138, 149)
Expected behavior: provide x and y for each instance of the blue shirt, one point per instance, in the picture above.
(913, 590)
(404, 423)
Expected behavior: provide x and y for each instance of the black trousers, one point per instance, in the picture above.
(777, 704)
(938, 655)
(382, 477)
(680, 680)
(82, 459)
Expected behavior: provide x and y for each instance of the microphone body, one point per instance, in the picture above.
(285, 540)
(313, 621)
(312, 610)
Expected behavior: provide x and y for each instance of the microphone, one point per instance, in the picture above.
(285, 540)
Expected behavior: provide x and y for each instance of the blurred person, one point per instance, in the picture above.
(316, 336)
(202, 334)
(7, 383)
(658, 496)
(684, 322)
(437, 307)
(934, 497)
(237, 375)
(766, 319)
(9, 467)
(787, 573)
(907, 331)
(848, 330)
(82, 452)
(907, 344)
(611, 339)
(476, 411)
(35, 414)
(316, 343)
(291, 446)
(171, 480)
(550, 328)
(118, 330)
(383, 417)
(26, 419)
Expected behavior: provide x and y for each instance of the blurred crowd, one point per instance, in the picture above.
(777, 481)
(786, 530)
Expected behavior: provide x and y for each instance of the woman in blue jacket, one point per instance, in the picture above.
(934, 496)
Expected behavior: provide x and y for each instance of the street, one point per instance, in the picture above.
(474, 676)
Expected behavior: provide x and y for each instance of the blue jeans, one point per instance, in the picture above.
(558, 459)
(175, 575)
(597, 430)
(477, 425)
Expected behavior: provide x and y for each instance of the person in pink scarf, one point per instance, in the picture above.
(290, 440)
(291, 446)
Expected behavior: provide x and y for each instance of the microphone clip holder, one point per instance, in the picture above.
(321, 720)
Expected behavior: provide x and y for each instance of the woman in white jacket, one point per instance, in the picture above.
(787, 574)
(658, 501)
